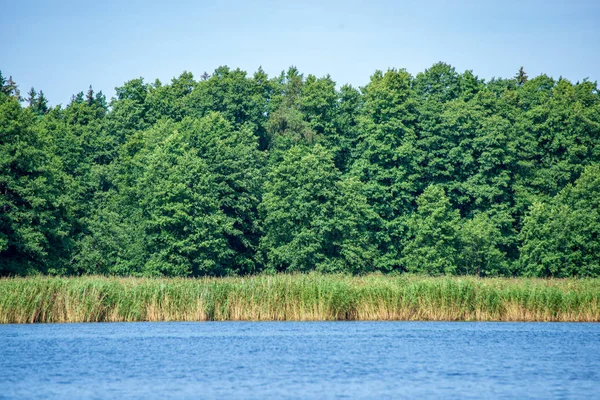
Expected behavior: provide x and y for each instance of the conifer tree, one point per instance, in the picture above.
(521, 77)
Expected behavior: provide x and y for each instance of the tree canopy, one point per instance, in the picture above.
(237, 173)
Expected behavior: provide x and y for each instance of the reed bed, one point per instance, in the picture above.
(310, 297)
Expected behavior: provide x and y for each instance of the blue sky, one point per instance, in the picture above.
(63, 47)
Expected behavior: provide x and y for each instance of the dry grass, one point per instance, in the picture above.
(311, 297)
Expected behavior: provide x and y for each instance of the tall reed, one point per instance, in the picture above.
(310, 297)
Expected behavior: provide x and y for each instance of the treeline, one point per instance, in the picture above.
(438, 173)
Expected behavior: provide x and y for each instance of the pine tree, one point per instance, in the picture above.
(13, 89)
(41, 103)
(3, 87)
(521, 77)
(89, 97)
(31, 98)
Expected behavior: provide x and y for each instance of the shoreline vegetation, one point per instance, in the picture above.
(297, 297)
(240, 174)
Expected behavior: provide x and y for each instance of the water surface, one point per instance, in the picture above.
(304, 359)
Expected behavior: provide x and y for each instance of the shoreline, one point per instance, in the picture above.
(300, 297)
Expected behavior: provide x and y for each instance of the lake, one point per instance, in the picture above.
(300, 359)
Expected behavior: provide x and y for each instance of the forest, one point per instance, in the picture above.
(233, 174)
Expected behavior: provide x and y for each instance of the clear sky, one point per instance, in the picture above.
(63, 47)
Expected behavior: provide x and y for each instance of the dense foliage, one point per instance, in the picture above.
(438, 173)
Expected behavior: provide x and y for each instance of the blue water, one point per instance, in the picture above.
(291, 360)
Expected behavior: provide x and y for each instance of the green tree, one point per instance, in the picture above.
(560, 237)
(34, 218)
(521, 77)
(386, 156)
(312, 220)
(470, 152)
(241, 100)
(169, 101)
(236, 164)
(440, 173)
(9, 88)
(439, 83)
(350, 103)
(129, 110)
(433, 240)
(481, 247)
(184, 227)
(114, 240)
(197, 170)
(559, 137)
